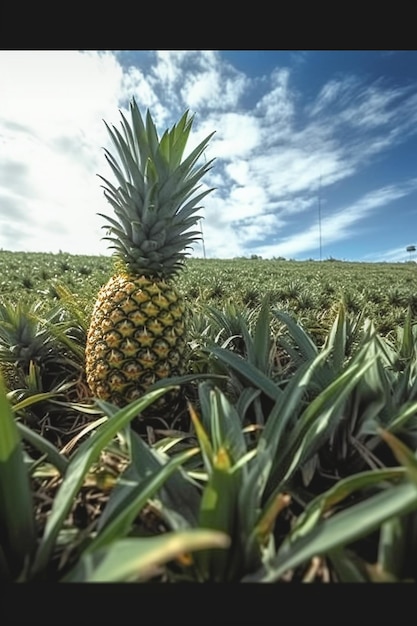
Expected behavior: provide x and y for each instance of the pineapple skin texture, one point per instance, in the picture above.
(135, 338)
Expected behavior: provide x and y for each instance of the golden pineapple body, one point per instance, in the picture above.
(135, 338)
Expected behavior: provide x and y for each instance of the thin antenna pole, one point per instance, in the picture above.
(320, 215)
(201, 223)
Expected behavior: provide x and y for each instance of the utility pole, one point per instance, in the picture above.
(319, 199)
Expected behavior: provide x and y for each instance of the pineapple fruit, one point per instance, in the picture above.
(137, 332)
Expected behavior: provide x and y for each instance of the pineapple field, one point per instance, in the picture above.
(170, 419)
(295, 410)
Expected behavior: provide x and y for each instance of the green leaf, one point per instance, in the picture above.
(400, 418)
(44, 446)
(252, 374)
(138, 559)
(218, 512)
(206, 447)
(9, 439)
(392, 546)
(348, 566)
(302, 340)
(259, 347)
(337, 338)
(17, 522)
(266, 522)
(34, 399)
(408, 344)
(402, 453)
(250, 500)
(222, 421)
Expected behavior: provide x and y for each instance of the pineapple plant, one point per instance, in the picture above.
(137, 331)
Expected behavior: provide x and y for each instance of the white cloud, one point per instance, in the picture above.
(278, 104)
(52, 131)
(236, 135)
(335, 93)
(58, 92)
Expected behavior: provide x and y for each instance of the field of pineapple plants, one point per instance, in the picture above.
(284, 452)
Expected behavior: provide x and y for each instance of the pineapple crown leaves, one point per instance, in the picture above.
(158, 185)
(156, 200)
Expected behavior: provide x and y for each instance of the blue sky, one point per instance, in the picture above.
(315, 151)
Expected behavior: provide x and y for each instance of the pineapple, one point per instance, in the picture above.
(137, 332)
